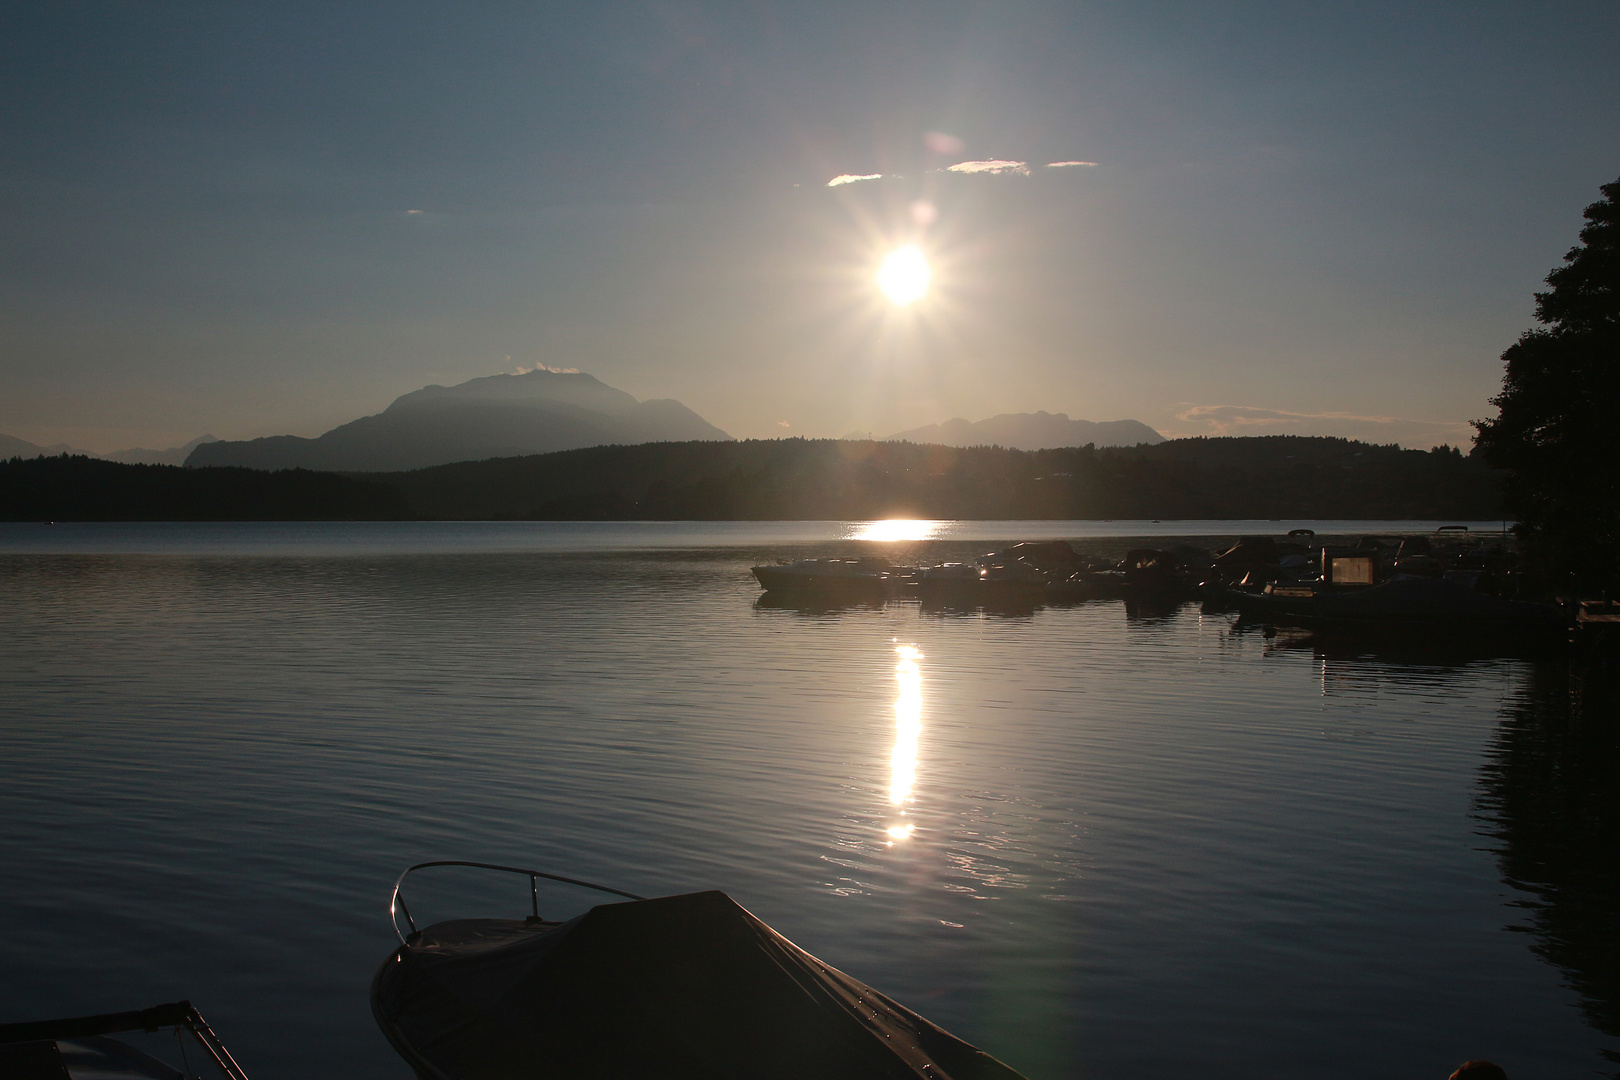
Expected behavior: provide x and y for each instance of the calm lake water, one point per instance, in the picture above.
(1127, 842)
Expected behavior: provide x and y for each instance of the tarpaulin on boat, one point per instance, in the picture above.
(683, 986)
(1418, 598)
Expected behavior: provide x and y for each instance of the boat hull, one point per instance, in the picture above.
(679, 987)
(785, 579)
(1407, 607)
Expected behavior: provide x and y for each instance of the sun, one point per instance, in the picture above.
(904, 276)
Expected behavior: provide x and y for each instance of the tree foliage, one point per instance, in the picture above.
(84, 489)
(1557, 434)
(1280, 476)
(1275, 476)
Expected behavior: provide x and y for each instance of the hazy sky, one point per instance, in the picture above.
(273, 218)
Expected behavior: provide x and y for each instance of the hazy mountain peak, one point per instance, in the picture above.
(533, 412)
(569, 387)
(174, 455)
(11, 446)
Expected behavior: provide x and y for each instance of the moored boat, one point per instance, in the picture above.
(1013, 579)
(869, 575)
(950, 578)
(1402, 604)
(690, 986)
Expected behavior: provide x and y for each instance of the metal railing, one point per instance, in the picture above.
(178, 1014)
(396, 903)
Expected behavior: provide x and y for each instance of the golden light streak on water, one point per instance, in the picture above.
(907, 730)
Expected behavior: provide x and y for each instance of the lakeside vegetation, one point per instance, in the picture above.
(76, 488)
(1261, 477)
(1553, 434)
(788, 479)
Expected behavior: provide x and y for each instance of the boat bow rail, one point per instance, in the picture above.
(178, 1015)
(397, 907)
(687, 987)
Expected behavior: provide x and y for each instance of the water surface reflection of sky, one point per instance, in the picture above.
(1144, 844)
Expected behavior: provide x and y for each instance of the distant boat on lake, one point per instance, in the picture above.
(864, 575)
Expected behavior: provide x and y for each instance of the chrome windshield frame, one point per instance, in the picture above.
(396, 902)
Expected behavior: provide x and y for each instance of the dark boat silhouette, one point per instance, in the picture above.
(680, 987)
(1403, 604)
(75, 1047)
(857, 576)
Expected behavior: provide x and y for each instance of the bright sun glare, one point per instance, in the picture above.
(893, 529)
(904, 275)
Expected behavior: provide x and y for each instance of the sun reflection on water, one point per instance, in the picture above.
(907, 729)
(897, 529)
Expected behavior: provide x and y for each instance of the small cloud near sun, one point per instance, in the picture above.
(521, 370)
(1239, 420)
(993, 167)
(1071, 164)
(783, 423)
(852, 178)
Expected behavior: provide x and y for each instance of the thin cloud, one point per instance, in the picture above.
(852, 178)
(543, 367)
(1071, 164)
(1222, 420)
(993, 167)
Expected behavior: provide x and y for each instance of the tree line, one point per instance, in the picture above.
(808, 479)
(1262, 477)
(77, 488)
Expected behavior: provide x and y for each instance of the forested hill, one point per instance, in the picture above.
(1265, 477)
(78, 488)
(1270, 477)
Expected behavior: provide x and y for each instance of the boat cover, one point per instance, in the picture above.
(1420, 599)
(679, 987)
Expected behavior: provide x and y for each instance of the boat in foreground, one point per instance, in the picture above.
(79, 1047)
(689, 986)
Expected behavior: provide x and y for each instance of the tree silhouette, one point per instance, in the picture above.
(1557, 432)
(1547, 796)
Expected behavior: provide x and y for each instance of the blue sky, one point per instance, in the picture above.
(264, 219)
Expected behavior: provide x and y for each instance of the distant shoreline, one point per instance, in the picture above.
(1270, 478)
(368, 538)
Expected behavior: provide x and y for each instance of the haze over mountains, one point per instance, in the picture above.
(536, 412)
(11, 446)
(545, 411)
(1031, 431)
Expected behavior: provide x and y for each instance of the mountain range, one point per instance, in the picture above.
(1031, 431)
(535, 412)
(11, 446)
(544, 411)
